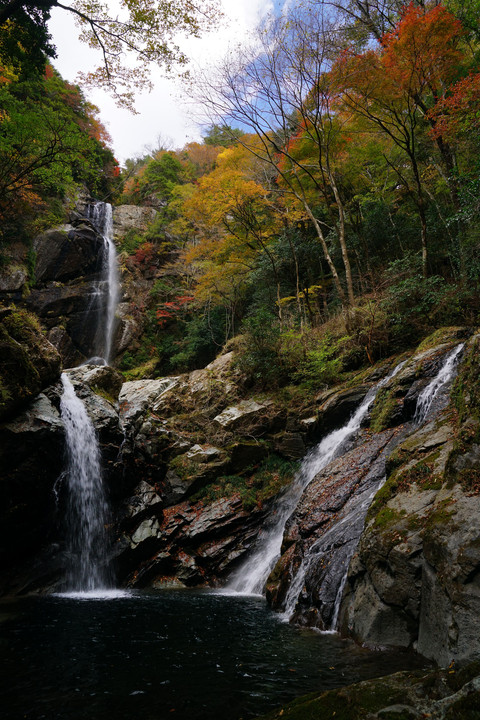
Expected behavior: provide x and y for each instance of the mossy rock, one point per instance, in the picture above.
(448, 693)
(28, 361)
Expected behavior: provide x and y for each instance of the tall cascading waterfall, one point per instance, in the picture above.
(87, 508)
(107, 293)
(337, 545)
(253, 574)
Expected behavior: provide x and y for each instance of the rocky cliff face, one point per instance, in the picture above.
(193, 469)
(415, 580)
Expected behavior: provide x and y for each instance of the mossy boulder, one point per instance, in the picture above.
(28, 361)
(447, 694)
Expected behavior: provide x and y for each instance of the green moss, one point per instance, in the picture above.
(144, 370)
(185, 467)
(387, 517)
(422, 475)
(254, 485)
(383, 409)
(465, 391)
(104, 394)
(442, 335)
(350, 703)
(440, 515)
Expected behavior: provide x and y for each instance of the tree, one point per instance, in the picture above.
(394, 86)
(146, 29)
(50, 141)
(236, 222)
(223, 136)
(276, 88)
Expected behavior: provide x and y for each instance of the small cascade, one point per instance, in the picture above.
(333, 551)
(434, 388)
(108, 289)
(253, 574)
(87, 511)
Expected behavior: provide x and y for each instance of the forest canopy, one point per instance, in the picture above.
(330, 215)
(346, 176)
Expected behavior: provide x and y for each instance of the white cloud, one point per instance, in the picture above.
(159, 112)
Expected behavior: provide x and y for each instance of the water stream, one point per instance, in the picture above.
(333, 551)
(87, 508)
(252, 575)
(428, 396)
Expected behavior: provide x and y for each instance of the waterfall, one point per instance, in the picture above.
(434, 388)
(87, 511)
(338, 544)
(253, 574)
(108, 289)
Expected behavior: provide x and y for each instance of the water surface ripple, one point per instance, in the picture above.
(171, 654)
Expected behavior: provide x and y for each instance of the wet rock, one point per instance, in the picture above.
(144, 501)
(66, 253)
(290, 446)
(195, 542)
(337, 408)
(323, 531)
(62, 341)
(100, 378)
(416, 579)
(31, 459)
(75, 307)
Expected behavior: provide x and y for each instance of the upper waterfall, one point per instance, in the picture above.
(101, 215)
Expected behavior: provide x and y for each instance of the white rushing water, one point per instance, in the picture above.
(431, 391)
(87, 511)
(252, 575)
(108, 289)
(355, 510)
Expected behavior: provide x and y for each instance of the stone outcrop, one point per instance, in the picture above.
(68, 252)
(449, 694)
(187, 469)
(324, 529)
(132, 217)
(187, 543)
(28, 361)
(31, 460)
(65, 296)
(415, 580)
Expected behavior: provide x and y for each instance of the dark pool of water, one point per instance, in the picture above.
(171, 654)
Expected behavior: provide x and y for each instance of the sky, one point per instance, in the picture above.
(161, 113)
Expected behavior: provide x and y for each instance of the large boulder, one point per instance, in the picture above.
(68, 252)
(194, 543)
(28, 361)
(31, 460)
